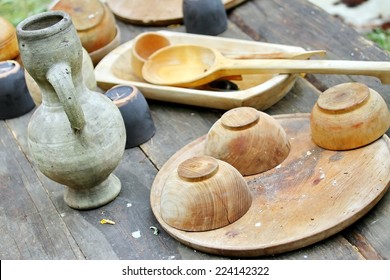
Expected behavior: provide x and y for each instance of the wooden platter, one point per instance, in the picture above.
(312, 195)
(154, 12)
(260, 91)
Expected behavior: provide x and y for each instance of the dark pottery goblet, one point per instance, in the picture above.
(135, 112)
(15, 100)
(206, 17)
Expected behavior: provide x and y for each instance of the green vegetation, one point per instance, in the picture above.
(17, 10)
(380, 37)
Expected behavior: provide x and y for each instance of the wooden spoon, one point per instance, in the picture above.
(274, 55)
(192, 65)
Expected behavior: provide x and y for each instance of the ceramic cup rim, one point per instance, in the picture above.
(60, 22)
(13, 70)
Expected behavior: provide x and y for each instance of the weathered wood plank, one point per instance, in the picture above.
(130, 210)
(30, 221)
(371, 234)
(300, 99)
(176, 126)
(37, 224)
(278, 21)
(334, 248)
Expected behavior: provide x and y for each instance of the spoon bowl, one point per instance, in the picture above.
(145, 44)
(193, 65)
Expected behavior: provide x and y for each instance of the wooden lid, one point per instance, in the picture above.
(198, 168)
(343, 97)
(85, 14)
(239, 118)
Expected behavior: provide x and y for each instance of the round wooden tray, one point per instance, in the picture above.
(154, 12)
(312, 195)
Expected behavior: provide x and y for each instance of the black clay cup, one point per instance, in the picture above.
(15, 99)
(135, 112)
(207, 17)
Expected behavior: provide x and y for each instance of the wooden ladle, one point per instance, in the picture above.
(193, 65)
(274, 55)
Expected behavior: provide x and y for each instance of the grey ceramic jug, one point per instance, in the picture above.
(77, 136)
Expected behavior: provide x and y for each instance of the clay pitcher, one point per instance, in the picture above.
(77, 136)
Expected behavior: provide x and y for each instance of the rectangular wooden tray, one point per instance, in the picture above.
(259, 90)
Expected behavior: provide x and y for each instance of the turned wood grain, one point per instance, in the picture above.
(154, 12)
(312, 195)
(37, 224)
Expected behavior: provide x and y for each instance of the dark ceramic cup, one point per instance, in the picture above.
(135, 112)
(206, 17)
(15, 99)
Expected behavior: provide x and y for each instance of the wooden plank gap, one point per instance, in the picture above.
(362, 245)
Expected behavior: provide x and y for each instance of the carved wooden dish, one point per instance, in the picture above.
(260, 91)
(154, 12)
(313, 194)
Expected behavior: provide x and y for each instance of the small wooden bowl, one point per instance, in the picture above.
(144, 45)
(8, 42)
(349, 116)
(204, 193)
(250, 140)
(93, 20)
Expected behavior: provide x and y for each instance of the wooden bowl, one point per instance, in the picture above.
(349, 116)
(93, 20)
(248, 139)
(8, 42)
(204, 193)
(144, 45)
(99, 54)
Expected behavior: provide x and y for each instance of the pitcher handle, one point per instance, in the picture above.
(60, 77)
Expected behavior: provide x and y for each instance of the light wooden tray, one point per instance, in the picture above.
(312, 195)
(154, 12)
(258, 91)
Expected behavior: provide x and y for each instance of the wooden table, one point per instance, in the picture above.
(35, 223)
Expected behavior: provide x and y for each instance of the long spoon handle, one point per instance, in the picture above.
(274, 55)
(379, 69)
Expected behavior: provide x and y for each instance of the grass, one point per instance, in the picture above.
(381, 37)
(17, 10)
